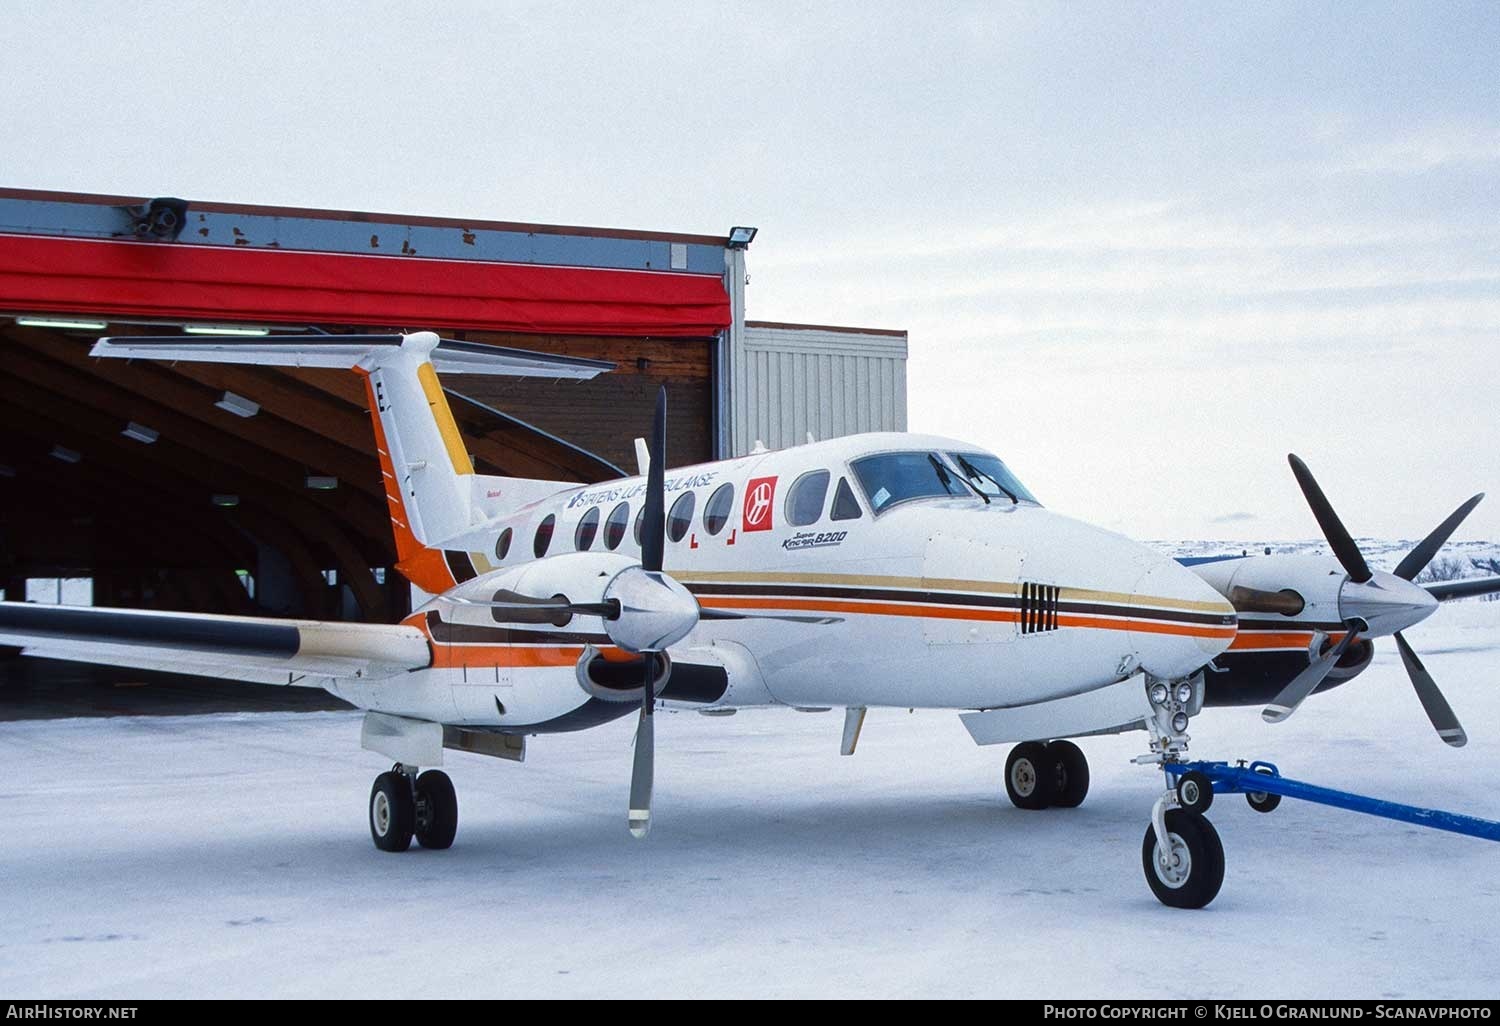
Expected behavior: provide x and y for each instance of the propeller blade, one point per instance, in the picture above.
(644, 767)
(730, 614)
(1339, 538)
(1306, 682)
(653, 523)
(1417, 559)
(1438, 710)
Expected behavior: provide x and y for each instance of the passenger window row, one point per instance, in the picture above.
(804, 506)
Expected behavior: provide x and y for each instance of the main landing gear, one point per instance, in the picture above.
(404, 805)
(1042, 775)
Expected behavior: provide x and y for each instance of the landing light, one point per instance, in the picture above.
(1184, 693)
(1158, 694)
(1180, 722)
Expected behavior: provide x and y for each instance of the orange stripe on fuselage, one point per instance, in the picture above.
(961, 613)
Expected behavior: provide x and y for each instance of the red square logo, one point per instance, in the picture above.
(760, 497)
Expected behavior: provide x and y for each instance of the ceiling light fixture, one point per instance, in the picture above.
(224, 329)
(59, 322)
(141, 433)
(238, 405)
(60, 452)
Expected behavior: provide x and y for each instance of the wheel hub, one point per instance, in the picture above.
(382, 810)
(1174, 866)
(1023, 777)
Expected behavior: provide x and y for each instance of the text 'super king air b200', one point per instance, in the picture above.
(897, 570)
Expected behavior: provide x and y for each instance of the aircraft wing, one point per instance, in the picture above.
(1445, 590)
(246, 648)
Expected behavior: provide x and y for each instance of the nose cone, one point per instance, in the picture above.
(1386, 602)
(1178, 621)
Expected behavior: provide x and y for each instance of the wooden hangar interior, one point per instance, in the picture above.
(255, 490)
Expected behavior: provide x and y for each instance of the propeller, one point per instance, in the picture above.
(1306, 682)
(644, 611)
(1376, 603)
(653, 542)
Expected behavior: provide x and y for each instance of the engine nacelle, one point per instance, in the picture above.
(583, 577)
(1315, 580)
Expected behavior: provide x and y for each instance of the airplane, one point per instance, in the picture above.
(875, 570)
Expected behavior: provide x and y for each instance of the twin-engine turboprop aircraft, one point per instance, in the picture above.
(896, 570)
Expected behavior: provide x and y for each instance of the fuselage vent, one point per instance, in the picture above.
(1038, 607)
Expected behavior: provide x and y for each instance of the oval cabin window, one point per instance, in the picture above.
(681, 516)
(716, 511)
(588, 528)
(614, 527)
(804, 503)
(544, 535)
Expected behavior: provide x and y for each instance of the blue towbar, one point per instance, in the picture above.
(1262, 778)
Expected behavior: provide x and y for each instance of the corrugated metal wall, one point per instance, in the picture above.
(789, 380)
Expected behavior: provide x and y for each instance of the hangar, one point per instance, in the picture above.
(256, 490)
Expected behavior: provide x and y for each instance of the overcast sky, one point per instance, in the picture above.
(1143, 251)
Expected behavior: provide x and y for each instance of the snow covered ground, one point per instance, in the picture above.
(228, 855)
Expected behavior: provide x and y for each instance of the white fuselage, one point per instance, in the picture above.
(944, 601)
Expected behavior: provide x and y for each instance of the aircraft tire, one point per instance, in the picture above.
(392, 812)
(1072, 772)
(437, 810)
(1030, 776)
(1194, 877)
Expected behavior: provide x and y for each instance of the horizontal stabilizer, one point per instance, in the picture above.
(345, 352)
(239, 647)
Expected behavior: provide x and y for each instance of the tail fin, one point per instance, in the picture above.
(426, 468)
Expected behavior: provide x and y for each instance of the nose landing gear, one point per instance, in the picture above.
(1181, 854)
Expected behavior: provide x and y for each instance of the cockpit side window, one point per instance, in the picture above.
(845, 505)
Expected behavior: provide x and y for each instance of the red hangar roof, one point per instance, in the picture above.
(131, 257)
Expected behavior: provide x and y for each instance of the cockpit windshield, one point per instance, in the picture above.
(990, 476)
(894, 477)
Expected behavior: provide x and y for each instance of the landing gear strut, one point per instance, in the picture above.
(404, 805)
(1043, 775)
(1181, 854)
